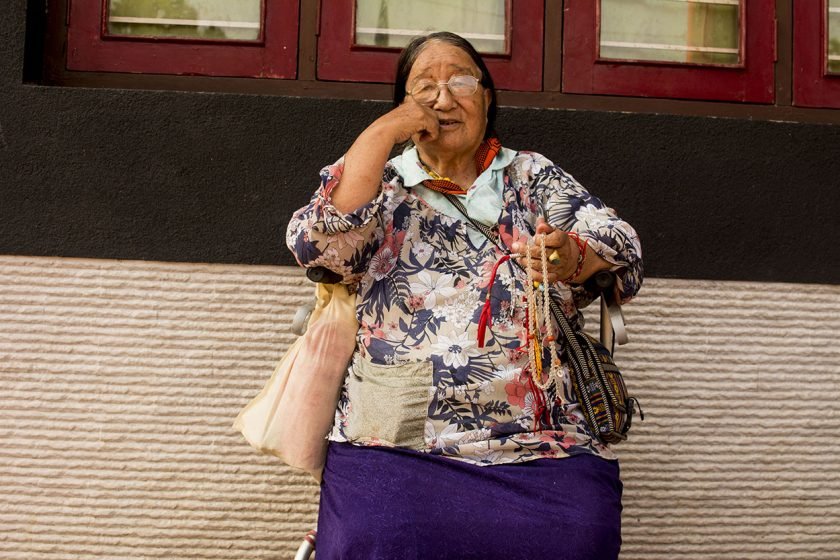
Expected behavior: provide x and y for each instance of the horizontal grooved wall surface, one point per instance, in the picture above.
(119, 381)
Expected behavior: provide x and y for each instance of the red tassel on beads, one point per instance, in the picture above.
(485, 320)
(540, 407)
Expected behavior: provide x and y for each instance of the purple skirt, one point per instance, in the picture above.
(388, 503)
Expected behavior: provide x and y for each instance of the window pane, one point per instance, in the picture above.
(393, 23)
(188, 19)
(834, 36)
(696, 31)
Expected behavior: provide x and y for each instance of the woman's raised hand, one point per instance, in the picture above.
(365, 160)
(408, 119)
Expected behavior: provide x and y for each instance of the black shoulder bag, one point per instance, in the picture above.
(596, 381)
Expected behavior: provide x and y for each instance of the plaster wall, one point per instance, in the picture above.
(119, 381)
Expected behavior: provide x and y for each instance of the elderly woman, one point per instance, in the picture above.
(442, 447)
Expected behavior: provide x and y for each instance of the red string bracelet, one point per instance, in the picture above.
(581, 245)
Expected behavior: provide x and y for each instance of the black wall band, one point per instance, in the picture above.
(214, 177)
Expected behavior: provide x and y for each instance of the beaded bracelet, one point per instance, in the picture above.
(581, 245)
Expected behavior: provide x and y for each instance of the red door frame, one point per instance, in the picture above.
(90, 49)
(752, 81)
(339, 59)
(813, 86)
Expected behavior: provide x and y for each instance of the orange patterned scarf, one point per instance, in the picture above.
(484, 156)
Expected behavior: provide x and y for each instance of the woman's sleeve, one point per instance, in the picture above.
(321, 235)
(570, 207)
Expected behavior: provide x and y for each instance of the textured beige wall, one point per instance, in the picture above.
(119, 381)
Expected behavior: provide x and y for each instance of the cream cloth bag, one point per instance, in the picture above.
(294, 412)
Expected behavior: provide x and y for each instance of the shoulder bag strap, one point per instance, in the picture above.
(488, 232)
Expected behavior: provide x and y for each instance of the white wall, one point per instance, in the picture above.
(119, 381)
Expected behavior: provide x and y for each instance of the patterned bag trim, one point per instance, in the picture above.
(596, 380)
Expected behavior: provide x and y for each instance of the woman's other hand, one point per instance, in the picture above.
(561, 251)
(563, 254)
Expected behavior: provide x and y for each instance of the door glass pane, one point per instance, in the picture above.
(834, 36)
(695, 31)
(393, 23)
(188, 19)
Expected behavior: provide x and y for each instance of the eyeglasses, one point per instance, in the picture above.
(427, 91)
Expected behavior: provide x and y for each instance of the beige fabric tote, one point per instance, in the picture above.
(294, 412)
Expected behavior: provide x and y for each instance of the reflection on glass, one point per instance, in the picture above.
(393, 23)
(833, 36)
(695, 31)
(189, 19)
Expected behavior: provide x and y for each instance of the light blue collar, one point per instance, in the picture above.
(483, 199)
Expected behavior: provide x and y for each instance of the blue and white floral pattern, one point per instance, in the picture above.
(421, 284)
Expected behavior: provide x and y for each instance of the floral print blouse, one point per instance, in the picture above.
(418, 378)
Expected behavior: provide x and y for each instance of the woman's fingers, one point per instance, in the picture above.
(552, 277)
(431, 126)
(557, 243)
(425, 120)
(561, 257)
(534, 263)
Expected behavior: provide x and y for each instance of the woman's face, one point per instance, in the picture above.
(462, 119)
